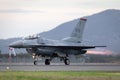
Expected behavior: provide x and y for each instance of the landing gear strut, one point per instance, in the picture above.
(35, 57)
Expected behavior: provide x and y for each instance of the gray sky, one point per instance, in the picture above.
(19, 18)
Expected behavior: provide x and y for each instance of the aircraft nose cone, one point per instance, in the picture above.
(16, 44)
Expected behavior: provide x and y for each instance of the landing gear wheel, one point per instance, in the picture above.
(47, 62)
(35, 62)
(67, 62)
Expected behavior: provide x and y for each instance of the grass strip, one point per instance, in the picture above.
(59, 75)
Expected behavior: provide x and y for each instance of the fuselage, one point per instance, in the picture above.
(46, 51)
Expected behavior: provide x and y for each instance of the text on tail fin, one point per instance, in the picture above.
(76, 35)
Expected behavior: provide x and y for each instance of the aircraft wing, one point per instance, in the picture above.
(20, 45)
(66, 47)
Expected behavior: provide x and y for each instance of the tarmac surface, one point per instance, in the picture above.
(60, 67)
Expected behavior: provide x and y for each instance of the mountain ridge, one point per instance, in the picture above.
(101, 29)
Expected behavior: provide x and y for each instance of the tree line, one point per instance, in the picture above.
(89, 58)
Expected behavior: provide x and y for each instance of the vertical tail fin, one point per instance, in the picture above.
(76, 35)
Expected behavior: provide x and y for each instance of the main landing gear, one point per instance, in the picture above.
(35, 57)
(67, 61)
(47, 61)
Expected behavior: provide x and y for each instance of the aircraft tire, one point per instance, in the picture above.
(67, 62)
(47, 62)
(35, 62)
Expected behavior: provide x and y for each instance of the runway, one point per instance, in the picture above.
(60, 67)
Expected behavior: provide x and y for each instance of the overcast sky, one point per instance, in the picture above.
(19, 18)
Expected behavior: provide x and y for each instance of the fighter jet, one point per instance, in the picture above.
(50, 49)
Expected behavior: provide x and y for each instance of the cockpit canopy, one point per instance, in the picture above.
(31, 37)
(34, 37)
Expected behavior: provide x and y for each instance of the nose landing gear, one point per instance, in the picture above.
(35, 57)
